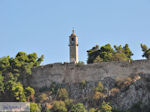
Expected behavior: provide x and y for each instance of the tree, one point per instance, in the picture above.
(127, 51)
(106, 53)
(92, 54)
(18, 92)
(120, 57)
(146, 51)
(98, 59)
(1, 84)
(29, 92)
(12, 73)
(4, 64)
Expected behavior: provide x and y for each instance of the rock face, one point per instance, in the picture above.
(131, 92)
(80, 81)
(137, 93)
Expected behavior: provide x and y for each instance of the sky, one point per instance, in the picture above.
(44, 26)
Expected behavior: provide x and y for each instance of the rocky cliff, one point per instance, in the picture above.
(126, 84)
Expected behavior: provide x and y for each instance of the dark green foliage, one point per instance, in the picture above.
(146, 51)
(107, 53)
(93, 53)
(1, 84)
(12, 73)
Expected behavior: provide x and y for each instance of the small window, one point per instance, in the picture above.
(72, 39)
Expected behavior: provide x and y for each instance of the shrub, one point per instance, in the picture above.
(137, 77)
(54, 88)
(123, 83)
(62, 94)
(80, 63)
(59, 106)
(83, 84)
(29, 92)
(92, 110)
(100, 87)
(43, 97)
(34, 107)
(69, 103)
(105, 107)
(48, 106)
(78, 108)
(113, 91)
(98, 95)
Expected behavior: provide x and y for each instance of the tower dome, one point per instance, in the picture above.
(73, 34)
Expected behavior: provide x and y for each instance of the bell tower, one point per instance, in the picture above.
(73, 45)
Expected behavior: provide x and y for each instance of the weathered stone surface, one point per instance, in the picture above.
(70, 73)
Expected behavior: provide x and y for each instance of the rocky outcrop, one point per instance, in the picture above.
(131, 91)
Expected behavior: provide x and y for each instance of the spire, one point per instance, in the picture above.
(73, 30)
(73, 33)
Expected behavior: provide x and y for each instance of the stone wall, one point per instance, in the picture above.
(70, 73)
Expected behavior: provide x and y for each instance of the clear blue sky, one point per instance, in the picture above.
(44, 26)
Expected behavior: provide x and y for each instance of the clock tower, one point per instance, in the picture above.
(73, 45)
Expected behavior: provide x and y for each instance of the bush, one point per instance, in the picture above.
(100, 87)
(123, 83)
(54, 88)
(105, 107)
(43, 97)
(92, 110)
(59, 106)
(78, 108)
(80, 63)
(98, 96)
(29, 92)
(62, 94)
(69, 103)
(114, 91)
(34, 107)
(83, 84)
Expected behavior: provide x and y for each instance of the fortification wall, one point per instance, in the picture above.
(70, 73)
